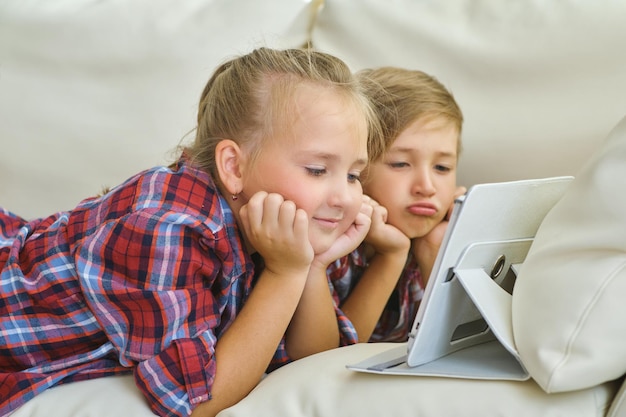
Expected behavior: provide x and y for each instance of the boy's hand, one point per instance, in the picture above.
(383, 237)
(426, 248)
(278, 231)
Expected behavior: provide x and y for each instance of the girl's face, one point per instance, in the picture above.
(416, 178)
(316, 162)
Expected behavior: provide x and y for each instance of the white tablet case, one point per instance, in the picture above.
(463, 325)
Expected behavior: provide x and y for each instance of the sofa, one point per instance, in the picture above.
(92, 91)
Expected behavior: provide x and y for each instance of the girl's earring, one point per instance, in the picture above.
(235, 197)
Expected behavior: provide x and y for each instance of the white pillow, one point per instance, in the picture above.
(321, 386)
(569, 300)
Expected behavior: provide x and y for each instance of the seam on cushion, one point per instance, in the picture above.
(580, 323)
(599, 408)
(616, 403)
(603, 407)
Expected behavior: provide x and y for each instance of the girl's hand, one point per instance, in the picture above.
(351, 239)
(278, 231)
(368, 298)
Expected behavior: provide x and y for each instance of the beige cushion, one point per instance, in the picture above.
(92, 92)
(321, 386)
(540, 82)
(569, 299)
(102, 397)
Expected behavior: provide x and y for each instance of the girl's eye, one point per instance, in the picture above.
(316, 172)
(352, 178)
(442, 168)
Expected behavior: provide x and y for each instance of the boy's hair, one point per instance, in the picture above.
(250, 96)
(401, 96)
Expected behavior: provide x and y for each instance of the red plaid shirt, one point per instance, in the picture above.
(397, 318)
(144, 279)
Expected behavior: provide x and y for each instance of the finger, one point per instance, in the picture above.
(367, 209)
(362, 219)
(380, 214)
(254, 209)
(301, 225)
(373, 202)
(286, 216)
(271, 210)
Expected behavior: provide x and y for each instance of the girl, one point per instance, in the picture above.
(412, 186)
(158, 275)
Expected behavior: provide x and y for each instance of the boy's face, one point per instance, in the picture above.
(416, 178)
(317, 163)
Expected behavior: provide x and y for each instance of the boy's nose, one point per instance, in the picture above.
(423, 184)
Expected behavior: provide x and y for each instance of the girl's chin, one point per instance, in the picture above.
(321, 245)
(318, 249)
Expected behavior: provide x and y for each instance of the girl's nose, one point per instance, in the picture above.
(341, 194)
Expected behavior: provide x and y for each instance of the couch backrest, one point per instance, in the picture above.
(92, 92)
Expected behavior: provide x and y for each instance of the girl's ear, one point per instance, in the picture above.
(228, 158)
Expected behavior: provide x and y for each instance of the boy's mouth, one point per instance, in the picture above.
(422, 209)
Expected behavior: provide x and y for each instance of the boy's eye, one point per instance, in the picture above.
(397, 164)
(316, 172)
(442, 168)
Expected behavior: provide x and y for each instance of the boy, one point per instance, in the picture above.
(412, 186)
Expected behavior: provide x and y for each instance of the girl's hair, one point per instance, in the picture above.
(250, 96)
(401, 96)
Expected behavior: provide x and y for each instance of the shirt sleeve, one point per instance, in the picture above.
(398, 315)
(10, 224)
(347, 332)
(156, 286)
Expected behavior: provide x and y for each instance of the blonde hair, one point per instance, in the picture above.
(249, 96)
(401, 96)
